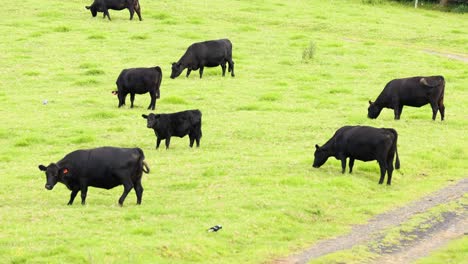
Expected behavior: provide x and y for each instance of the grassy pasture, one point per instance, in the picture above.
(252, 173)
(454, 252)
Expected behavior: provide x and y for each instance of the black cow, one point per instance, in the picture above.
(139, 81)
(361, 143)
(103, 6)
(210, 53)
(414, 91)
(176, 124)
(104, 167)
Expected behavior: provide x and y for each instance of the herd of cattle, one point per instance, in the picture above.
(108, 167)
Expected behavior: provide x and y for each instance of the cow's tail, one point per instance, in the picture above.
(397, 161)
(142, 165)
(395, 134)
(199, 122)
(229, 55)
(158, 81)
(146, 168)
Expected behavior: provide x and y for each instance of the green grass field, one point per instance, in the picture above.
(252, 173)
(455, 252)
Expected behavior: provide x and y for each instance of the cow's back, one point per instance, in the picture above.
(212, 52)
(363, 142)
(139, 80)
(178, 124)
(99, 162)
(412, 92)
(114, 4)
(113, 157)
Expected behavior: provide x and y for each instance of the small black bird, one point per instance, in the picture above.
(214, 228)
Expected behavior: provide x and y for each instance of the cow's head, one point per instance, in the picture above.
(93, 10)
(373, 111)
(320, 156)
(53, 174)
(176, 69)
(152, 120)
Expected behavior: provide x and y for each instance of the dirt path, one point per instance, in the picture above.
(448, 55)
(450, 227)
(460, 57)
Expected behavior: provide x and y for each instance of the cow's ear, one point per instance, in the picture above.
(88, 7)
(42, 167)
(370, 102)
(144, 116)
(317, 147)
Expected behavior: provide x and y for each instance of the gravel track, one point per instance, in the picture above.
(452, 227)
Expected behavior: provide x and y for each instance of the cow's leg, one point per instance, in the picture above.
(441, 108)
(132, 11)
(343, 164)
(138, 191)
(223, 67)
(128, 185)
(351, 164)
(73, 195)
(106, 13)
(198, 134)
(168, 141)
(435, 108)
(201, 71)
(400, 110)
(192, 139)
(397, 108)
(153, 102)
(383, 168)
(389, 168)
(138, 11)
(122, 100)
(84, 192)
(188, 72)
(132, 98)
(231, 67)
(158, 141)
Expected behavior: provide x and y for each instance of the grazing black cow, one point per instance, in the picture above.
(176, 124)
(414, 91)
(104, 167)
(139, 81)
(361, 143)
(104, 6)
(210, 53)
